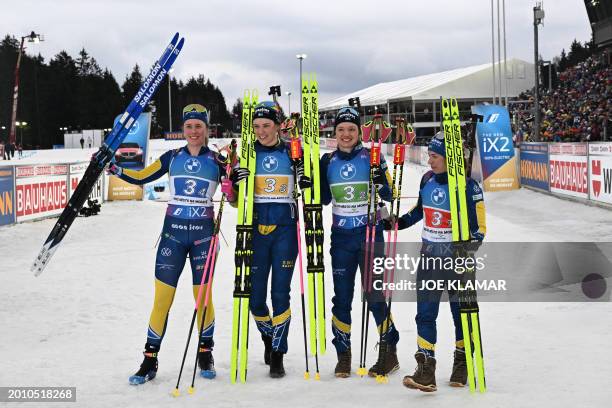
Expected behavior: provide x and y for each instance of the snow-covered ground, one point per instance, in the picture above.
(83, 321)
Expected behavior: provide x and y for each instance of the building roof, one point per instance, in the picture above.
(470, 82)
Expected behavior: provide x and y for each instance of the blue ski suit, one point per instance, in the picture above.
(344, 183)
(433, 207)
(274, 242)
(187, 231)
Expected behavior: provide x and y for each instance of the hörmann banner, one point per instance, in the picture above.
(534, 165)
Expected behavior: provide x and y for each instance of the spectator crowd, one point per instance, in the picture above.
(577, 110)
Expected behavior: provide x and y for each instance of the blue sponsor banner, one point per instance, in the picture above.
(132, 152)
(535, 171)
(494, 136)
(7, 195)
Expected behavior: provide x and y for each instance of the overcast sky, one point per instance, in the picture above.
(252, 44)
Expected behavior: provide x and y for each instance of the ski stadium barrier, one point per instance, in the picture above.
(577, 171)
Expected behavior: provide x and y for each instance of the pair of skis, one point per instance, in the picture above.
(106, 153)
(313, 217)
(244, 244)
(455, 162)
(376, 132)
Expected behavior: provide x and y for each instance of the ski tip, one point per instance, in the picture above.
(382, 379)
(175, 38)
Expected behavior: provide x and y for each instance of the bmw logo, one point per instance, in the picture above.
(347, 171)
(192, 165)
(270, 163)
(438, 196)
(134, 129)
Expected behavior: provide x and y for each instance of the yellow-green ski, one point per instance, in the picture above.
(455, 162)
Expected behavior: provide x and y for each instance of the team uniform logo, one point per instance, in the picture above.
(348, 171)
(438, 196)
(270, 163)
(192, 165)
(166, 251)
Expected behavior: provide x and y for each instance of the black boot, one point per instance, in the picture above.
(206, 362)
(387, 362)
(148, 368)
(277, 370)
(459, 376)
(267, 348)
(343, 368)
(424, 377)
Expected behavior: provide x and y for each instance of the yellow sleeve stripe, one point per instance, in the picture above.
(144, 173)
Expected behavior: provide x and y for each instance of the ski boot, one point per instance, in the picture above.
(267, 348)
(424, 377)
(277, 370)
(148, 368)
(387, 362)
(459, 376)
(343, 368)
(206, 362)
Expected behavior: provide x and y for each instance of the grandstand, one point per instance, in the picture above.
(418, 98)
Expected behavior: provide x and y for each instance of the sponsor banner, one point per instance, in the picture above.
(40, 191)
(77, 170)
(600, 172)
(122, 190)
(7, 197)
(496, 148)
(132, 154)
(534, 165)
(173, 135)
(569, 169)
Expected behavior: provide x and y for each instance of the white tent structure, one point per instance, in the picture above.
(475, 82)
(418, 98)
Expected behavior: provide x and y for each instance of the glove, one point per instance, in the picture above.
(466, 249)
(303, 181)
(239, 174)
(388, 224)
(378, 177)
(114, 170)
(226, 188)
